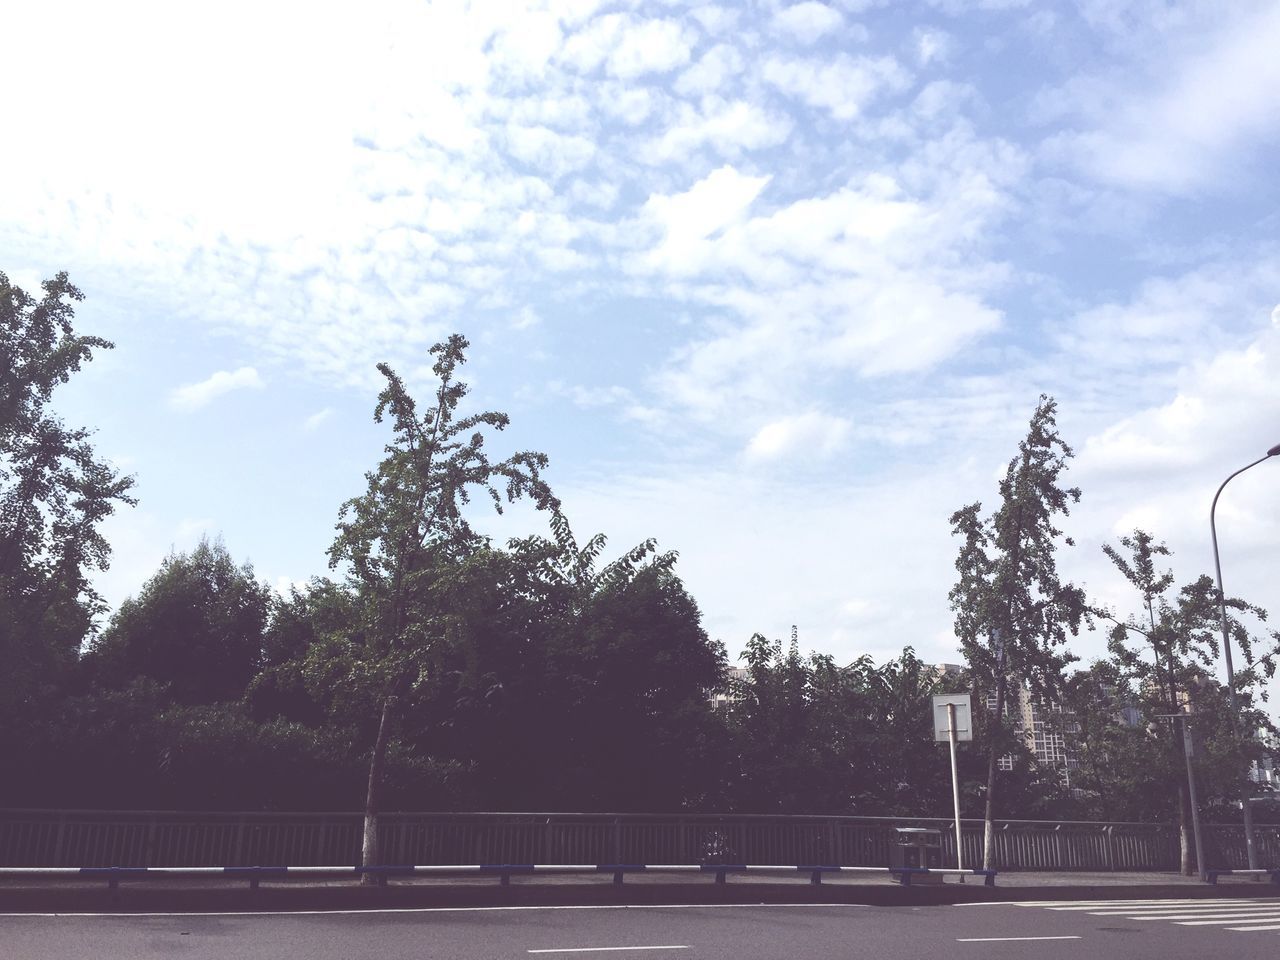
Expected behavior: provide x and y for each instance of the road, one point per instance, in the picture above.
(1085, 930)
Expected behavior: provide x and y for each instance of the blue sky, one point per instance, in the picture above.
(777, 283)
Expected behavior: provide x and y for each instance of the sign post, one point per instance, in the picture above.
(952, 723)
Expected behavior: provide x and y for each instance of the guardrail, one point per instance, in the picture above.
(76, 838)
(504, 871)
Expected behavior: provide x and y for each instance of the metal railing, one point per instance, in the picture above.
(89, 838)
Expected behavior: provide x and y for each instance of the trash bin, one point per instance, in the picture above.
(917, 847)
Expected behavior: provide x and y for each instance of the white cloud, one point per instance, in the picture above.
(556, 153)
(313, 422)
(812, 434)
(1170, 320)
(932, 46)
(1193, 113)
(650, 46)
(808, 22)
(739, 535)
(194, 396)
(730, 128)
(714, 69)
(690, 220)
(717, 20)
(526, 318)
(844, 86)
(1159, 468)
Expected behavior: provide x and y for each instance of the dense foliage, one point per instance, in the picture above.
(435, 669)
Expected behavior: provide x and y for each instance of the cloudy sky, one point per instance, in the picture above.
(777, 283)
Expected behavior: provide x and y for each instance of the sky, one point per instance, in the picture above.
(776, 283)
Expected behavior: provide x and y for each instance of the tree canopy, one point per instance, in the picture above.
(55, 491)
(1013, 611)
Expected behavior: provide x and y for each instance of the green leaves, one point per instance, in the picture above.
(196, 627)
(54, 491)
(1012, 611)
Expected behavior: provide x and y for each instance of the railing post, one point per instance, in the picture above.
(1107, 848)
(149, 848)
(58, 840)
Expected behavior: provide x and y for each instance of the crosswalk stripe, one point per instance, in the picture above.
(1243, 914)
(1176, 913)
(1234, 914)
(1116, 904)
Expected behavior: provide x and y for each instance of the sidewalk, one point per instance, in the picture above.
(169, 894)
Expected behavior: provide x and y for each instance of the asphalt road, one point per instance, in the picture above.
(1135, 930)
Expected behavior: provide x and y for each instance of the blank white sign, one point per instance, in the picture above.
(964, 717)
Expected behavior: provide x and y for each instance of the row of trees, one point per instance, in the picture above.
(436, 669)
(1014, 615)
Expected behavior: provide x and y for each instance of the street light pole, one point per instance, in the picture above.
(1250, 847)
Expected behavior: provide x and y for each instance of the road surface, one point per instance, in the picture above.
(1085, 930)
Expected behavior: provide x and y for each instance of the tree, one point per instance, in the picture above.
(783, 766)
(903, 771)
(54, 490)
(1164, 654)
(322, 608)
(196, 627)
(400, 542)
(1012, 611)
(625, 669)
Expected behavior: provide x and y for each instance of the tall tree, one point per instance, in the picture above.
(196, 626)
(400, 540)
(1012, 611)
(1165, 652)
(54, 490)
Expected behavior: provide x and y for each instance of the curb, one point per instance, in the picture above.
(139, 898)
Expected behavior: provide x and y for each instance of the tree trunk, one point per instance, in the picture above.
(1185, 848)
(993, 766)
(369, 854)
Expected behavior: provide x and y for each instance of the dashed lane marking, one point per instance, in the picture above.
(606, 949)
(1009, 939)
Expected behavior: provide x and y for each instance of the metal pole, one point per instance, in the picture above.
(1201, 866)
(1250, 847)
(955, 782)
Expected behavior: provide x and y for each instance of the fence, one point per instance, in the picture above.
(80, 838)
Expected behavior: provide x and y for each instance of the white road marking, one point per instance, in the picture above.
(1195, 915)
(1154, 904)
(1247, 913)
(1174, 908)
(324, 913)
(1094, 904)
(1007, 939)
(607, 949)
